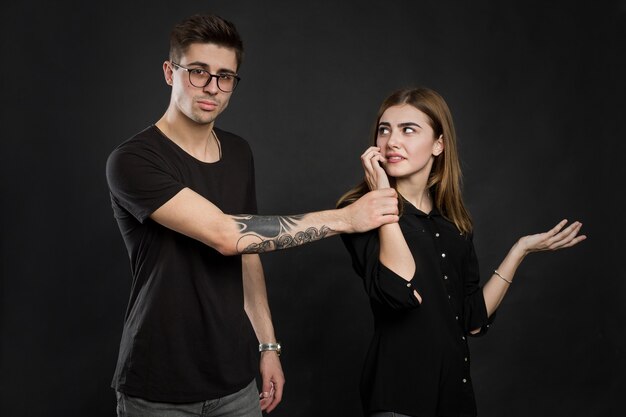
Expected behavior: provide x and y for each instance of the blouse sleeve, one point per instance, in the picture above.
(381, 284)
(474, 308)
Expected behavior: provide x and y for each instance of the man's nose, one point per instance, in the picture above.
(212, 87)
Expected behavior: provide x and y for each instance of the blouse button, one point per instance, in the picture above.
(436, 234)
(445, 277)
(464, 380)
(465, 359)
(463, 337)
(457, 317)
(443, 255)
(408, 284)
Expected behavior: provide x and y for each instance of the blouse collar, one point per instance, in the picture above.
(409, 208)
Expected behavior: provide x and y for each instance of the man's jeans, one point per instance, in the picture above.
(244, 403)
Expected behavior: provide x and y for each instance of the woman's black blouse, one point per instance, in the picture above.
(418, 362)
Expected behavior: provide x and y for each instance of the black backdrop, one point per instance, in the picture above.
(537, 92)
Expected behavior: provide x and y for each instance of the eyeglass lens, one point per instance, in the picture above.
(225, 82)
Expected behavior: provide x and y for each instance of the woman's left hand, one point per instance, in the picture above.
(553, 239)
(375, 176)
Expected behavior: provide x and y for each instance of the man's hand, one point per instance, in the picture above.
(374, 209)
(273, 381)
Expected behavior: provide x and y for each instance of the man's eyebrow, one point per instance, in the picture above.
(206, 66)
(198, 64)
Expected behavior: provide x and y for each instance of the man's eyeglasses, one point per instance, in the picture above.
(201, 78)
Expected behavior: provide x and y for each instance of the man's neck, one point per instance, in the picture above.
(194, 138)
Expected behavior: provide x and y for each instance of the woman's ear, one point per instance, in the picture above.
(438, 146)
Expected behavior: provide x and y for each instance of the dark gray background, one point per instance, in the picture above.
(536, 89)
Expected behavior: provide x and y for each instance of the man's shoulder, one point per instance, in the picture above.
(230, 136)
(233, 143)
(139, 148)
(146, 138)
(147, 143)
(226, 133)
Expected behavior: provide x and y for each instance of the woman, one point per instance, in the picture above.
(421, 274)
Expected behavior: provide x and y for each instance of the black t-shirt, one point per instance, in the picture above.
(186, 335)
(418, 361)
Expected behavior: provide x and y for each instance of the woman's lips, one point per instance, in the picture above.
(394, 158)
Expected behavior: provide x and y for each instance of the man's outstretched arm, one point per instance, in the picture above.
(192, 215)
(258, 311)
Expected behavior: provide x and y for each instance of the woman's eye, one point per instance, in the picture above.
(383, 130)
(409, 130)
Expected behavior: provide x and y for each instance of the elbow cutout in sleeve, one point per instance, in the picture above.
(476, 316)
(393, 290)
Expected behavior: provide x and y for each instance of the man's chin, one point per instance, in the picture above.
(204, 119)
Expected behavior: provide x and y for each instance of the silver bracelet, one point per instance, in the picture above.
(495, 271)
(264, 347)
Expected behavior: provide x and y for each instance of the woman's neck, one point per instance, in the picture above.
(416, 193)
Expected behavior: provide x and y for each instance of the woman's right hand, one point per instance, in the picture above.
(375, 176)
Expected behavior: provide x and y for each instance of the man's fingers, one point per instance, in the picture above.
(386, 192)
(388, 204)
(278, 394)
(276, 397)
(374, 209)
(266, 394)
(267, 399)
(389, 218)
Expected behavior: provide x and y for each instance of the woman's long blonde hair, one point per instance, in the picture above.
(445, 176)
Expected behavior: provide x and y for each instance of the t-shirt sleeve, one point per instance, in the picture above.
(140, 181)
(475, 310)
(381, 284)
(251, 204)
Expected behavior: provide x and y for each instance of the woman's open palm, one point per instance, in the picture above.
(555, 238)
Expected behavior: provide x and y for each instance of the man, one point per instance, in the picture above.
(198, 296)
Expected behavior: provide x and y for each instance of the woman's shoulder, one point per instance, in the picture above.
(359, 240)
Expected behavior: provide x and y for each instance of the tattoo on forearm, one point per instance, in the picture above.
(268, 226)
(267, 233)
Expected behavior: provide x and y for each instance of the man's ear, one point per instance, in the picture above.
(167, 72)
